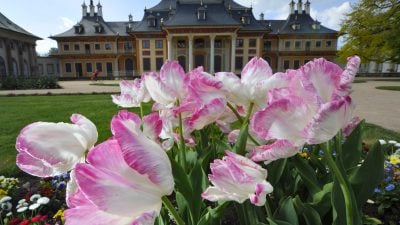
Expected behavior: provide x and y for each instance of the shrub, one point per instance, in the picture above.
(22, 83)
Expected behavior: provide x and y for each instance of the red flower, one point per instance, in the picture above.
(14, 221)
(25, 222)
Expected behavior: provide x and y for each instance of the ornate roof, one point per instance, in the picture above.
(7, 24)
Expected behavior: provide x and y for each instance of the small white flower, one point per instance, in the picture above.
(392, 142)
(9, 214)
(369, 201)
(22, 205)
(6, 206)
(5, 199)
(35, 197)
(21, 201)
(397, 145)
(382, 142)
(21, 210)
(43, 200)
(34, 206)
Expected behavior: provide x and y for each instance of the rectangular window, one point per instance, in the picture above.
(296, 64)
(146, 64)
(159, 63)
(286, 64)
(297, 44)
(107, 46)
(328, 44)
(128, 45)
(159, 43)
(218, 44)
(318, 44)
(239, 43)
(181, 44)
(99, 66)
(66, 47)
(89, 67)
(253, 43)
(77, 47)
(145, 43)
(96, 46)
(68, 68)
(50, 68)
(308, 45)
(267, 45)
(287, 44)
(40, 69)
(12, 45)
(239, 62)
(87, 48)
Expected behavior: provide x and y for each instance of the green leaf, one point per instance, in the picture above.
(199, 183)
(277, 222)
(213, 215)
(182, 183)
(322, 200)
(367, 177)
(286, 212)
(310, 215)
(352, 147)
(307, 173)
(275, 171)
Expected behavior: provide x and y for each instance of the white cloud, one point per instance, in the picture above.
(43, 46)
(66, 23)
(332, 17)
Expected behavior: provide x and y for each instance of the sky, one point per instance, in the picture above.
(44, 18)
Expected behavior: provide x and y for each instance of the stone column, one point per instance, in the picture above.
(212, 53)
(233, 53)
(190, 53)
(169, 46)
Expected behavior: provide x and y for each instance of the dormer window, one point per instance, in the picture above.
(245, 19)
(129, 27)
(151, 21)
(316, 25)
(78, 28)
(98, 28)
(296, 26)
(201, 13)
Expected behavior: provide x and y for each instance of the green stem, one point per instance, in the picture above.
(141, 110)
(167, 203)
(241, 121)
(268, 208)
(181, 145)
(342, 182)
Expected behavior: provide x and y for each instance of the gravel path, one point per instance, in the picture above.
(380, 107)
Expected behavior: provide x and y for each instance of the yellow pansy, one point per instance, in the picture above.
(394, 159)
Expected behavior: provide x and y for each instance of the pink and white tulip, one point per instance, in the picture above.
(50, 149)
(236, 178)
(133, 93)
(168, 86)
(124, 180)
(256, 80)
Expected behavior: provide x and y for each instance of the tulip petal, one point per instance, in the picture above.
(278, 150)
(331, 117)
(56, 147)
(207, 114)
(174, 77)
(348, 75)
(131, 120)
(144, 155)
(158, 91)
(260, 196)
(256, 70)
(152, 125)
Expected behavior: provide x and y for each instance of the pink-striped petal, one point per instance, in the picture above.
(158, 91)
(143, 154)
(207, 114)
(130, 120)
(56, 147)
(234, 87)
(260, 196)
(278, 150)
(152, 125)
(350, 126)
(204, 87)
(348, 75)
(174, 77)
(329, 120)
(256, 70)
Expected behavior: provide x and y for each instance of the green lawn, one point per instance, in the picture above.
(18, 112)
(389, 88)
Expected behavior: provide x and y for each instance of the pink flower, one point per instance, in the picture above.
(168, 86)
(256, 80)
(312, 110)
(124, 180)
(236, 178)
(132, 94)
(49, 149)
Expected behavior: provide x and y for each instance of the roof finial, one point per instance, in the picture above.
(201, 2)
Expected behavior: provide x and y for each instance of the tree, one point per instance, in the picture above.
(372, 31)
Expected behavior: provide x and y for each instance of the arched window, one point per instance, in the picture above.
(129, 66)
(26, 69)
(182, 61)
(14, 67)
(3, 71)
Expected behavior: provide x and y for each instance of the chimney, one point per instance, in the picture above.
(299, 7)
(262, 17)
(292, 4)
(99, 9)
(84, 9)
(91, 7)
(307, 7)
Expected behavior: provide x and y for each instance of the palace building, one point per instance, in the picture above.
(17, 50)
(220, 35)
